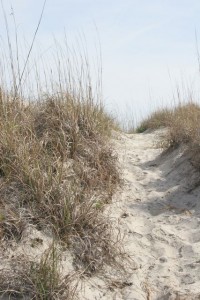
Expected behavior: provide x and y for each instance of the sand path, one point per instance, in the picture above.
(158, 210)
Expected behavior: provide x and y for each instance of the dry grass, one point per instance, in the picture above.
(57, 167)
(182, 122)
(155, 120)
(57, 172)
(184, 129)
(42, 280)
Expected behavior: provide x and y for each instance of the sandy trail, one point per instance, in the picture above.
(158, 210)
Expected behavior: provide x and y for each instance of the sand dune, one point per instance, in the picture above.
(158, 211)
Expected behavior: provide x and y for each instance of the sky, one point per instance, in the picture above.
(148, 47)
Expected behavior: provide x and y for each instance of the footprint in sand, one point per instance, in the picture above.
(195, 237)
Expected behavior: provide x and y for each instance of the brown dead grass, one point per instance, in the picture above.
(183, 126)
(58, 171)
(184, 129)
(155, 120)
(57, 167)
(42, 280)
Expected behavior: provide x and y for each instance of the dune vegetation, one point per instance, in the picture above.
(57, 172)
(158, 118)
(182, 123)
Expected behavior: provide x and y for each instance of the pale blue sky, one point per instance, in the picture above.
(147, 45)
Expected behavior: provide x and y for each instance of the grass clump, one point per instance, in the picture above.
(57, 172)
(182, 122)
(56, 163)
(155, 120)
(57, 167)
(40, 280)
(184, 129)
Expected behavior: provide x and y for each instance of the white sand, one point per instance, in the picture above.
(160, 218)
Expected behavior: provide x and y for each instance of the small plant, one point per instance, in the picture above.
(37, 280)
(142, 128)
(45, 276)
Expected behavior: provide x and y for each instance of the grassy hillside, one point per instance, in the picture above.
(57, 172)
(182, 122)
